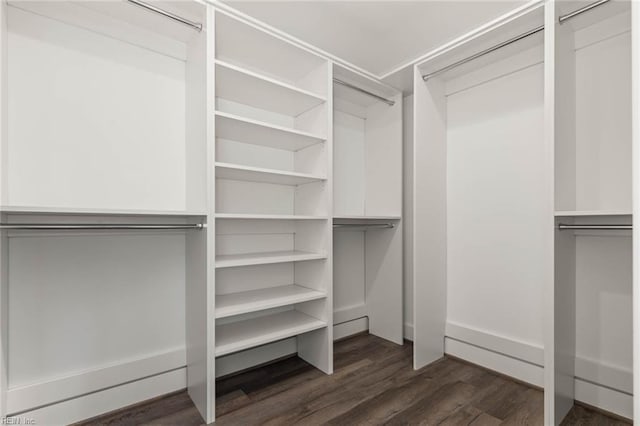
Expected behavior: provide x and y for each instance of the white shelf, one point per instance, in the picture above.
(367, 217)
(230, 261)
(259, 331)
(258, 174)
(268, 216)
(257, 300)
(574, 213)
(240, 85)
(258, 49)
(240, 129)
(92, 211)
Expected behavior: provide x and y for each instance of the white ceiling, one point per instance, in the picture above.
(378, 36)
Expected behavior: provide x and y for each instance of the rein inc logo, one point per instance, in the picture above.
(17, 421)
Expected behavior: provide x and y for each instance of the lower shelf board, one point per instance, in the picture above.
(247, 259)
(574, 213)
(257, 300)
(241, 335)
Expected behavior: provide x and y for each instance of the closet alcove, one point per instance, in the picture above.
(367, 207)
(523, 203)
(103, 197)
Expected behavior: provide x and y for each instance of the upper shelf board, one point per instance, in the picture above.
(258, 174)
(254, 216)
(574, 213)
(248, 259)
(240, 85)
(243, 43)
(240, 129)
(43, 210)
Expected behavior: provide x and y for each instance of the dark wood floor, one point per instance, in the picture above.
(374, 383)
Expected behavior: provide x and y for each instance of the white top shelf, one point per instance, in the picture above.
(240, 129)
(97, 212)
(572, 213)
(258, 174)
(268, 216)
(240, 85)
(257, 300)
(230, 261)
(259, 331)
(242, 43)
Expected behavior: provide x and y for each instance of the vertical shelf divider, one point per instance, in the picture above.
(200, 246)
(635, 120)
(4, 278)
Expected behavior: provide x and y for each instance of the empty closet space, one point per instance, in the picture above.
(107, 84)
(272, 200)
(480, 199)
(367, 209)
(593, 181)
(103, 193)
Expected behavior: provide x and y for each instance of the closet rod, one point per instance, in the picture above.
(561, 19)
(356, 88)
(582, 10)
(93, 226)
(180, 19)
(482, 53)
(364, 226)
(563, 226)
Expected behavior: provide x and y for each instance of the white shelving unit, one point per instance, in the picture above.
(147, 126)
(273, 179)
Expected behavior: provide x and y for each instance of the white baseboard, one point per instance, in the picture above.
(512, 367)
(349, 313)
(606, 387)
(604, 398)
(350, 328)
(97, 403)
(27, 397)
(256, 356)
(602, 386)
(408, 331)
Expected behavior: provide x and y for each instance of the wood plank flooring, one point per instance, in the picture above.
(373, 383)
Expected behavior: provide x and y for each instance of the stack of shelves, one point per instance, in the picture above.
(273, 198)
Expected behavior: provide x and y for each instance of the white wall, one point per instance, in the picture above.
(495, 206)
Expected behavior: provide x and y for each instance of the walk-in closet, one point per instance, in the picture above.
(267, 212)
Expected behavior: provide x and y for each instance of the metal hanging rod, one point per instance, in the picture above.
(526, 34)
(195, 25)
(94, 226)
(356, 88)
(563, 226)
(582, 10)
(482, 53)
(364, 227)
